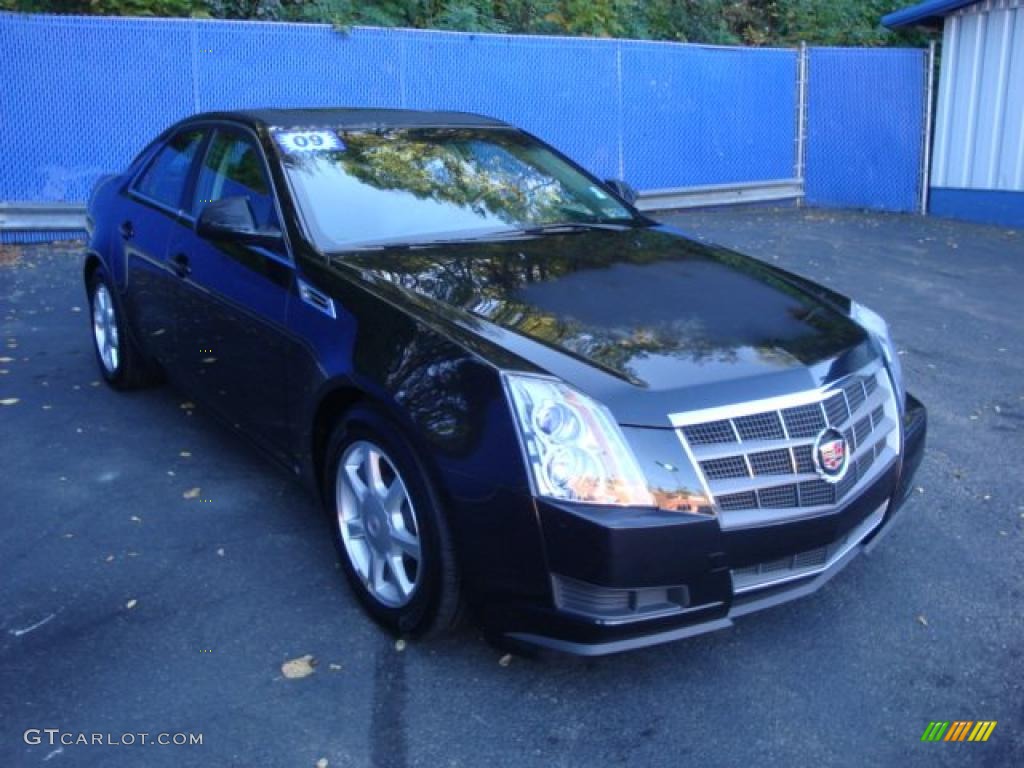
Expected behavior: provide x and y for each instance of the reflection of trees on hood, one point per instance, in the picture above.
(494, 281)
(488, 281)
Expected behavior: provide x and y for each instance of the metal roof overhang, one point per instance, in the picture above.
(929, 13)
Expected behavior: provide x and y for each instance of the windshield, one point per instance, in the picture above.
(359, 188)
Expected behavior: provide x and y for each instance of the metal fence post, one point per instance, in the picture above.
(929, 105)
(801, 117)
(620, 108)
(194, 44)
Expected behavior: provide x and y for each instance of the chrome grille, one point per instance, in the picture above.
(861, 430)
(779, 497)
(760, 426)
(804, 456)
(804, 421)
(710, 433)
(756, 459)
(730, 466)
(854, 395)
(836, 410)
(744, 500)
(778, 462)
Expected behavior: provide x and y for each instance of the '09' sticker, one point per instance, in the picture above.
(308, 141)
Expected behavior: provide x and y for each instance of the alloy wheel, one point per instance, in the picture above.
(104, 328)
(377, 523)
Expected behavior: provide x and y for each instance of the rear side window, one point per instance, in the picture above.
(165, 178)
(233, 168)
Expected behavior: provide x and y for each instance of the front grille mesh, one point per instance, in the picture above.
(721, 469)
(836, 410)
(865, 416)
(805, 420)
(710, 433)
(778, 462)
(760, 426)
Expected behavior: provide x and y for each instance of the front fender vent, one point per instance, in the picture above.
(319, 301)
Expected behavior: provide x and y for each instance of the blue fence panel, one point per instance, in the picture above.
(865, 128)
(561, 89)
(81, 96)
(695, 115)
(253, 64)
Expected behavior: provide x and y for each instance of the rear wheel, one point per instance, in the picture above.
(388, 526)
(122, 366)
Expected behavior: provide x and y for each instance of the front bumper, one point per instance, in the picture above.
(621, 581)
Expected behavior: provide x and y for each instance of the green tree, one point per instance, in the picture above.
(722, 22)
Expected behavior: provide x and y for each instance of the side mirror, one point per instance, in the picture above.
(230, 218)
(622, 190)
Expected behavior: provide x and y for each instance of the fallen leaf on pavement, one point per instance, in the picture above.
(399, 645)
(109, 558)
(187, 406)
(135, 519)
(185, 454)
(9, 401)
(335, 667)
(505, 660)
(300, 667)
(191, 493)
(131, 603)
(220, 552)
(321, 763)
(922, 620)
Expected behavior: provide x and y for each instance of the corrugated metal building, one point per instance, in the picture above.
(977, 164)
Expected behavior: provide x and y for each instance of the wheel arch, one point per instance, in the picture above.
(332, 405)
(341, 395)
(92, 263)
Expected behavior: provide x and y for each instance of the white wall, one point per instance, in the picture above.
(979, 129)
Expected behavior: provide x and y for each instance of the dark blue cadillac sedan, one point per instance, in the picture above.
(513, 392)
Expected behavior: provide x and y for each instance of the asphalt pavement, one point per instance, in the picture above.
(156, 572)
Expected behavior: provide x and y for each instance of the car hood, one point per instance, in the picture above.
(621, 313)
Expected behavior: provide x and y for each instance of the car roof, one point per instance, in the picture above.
(353, 118)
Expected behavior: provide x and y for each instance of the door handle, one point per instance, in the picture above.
(127, 230)
(180, 265)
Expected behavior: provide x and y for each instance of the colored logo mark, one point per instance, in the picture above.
(958, 730)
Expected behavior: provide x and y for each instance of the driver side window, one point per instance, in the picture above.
(233, 168)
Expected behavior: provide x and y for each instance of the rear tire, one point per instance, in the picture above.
(120, 362)
(389, 528)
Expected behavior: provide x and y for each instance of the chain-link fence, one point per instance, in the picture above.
(81, 96)
(865, 127)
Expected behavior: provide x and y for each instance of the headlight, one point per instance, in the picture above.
(575, 450)
(874, 324)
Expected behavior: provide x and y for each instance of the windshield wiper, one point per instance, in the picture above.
(576, 226)
(556, 228)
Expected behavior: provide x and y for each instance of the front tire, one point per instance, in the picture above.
(121, 364)
(388, 526)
